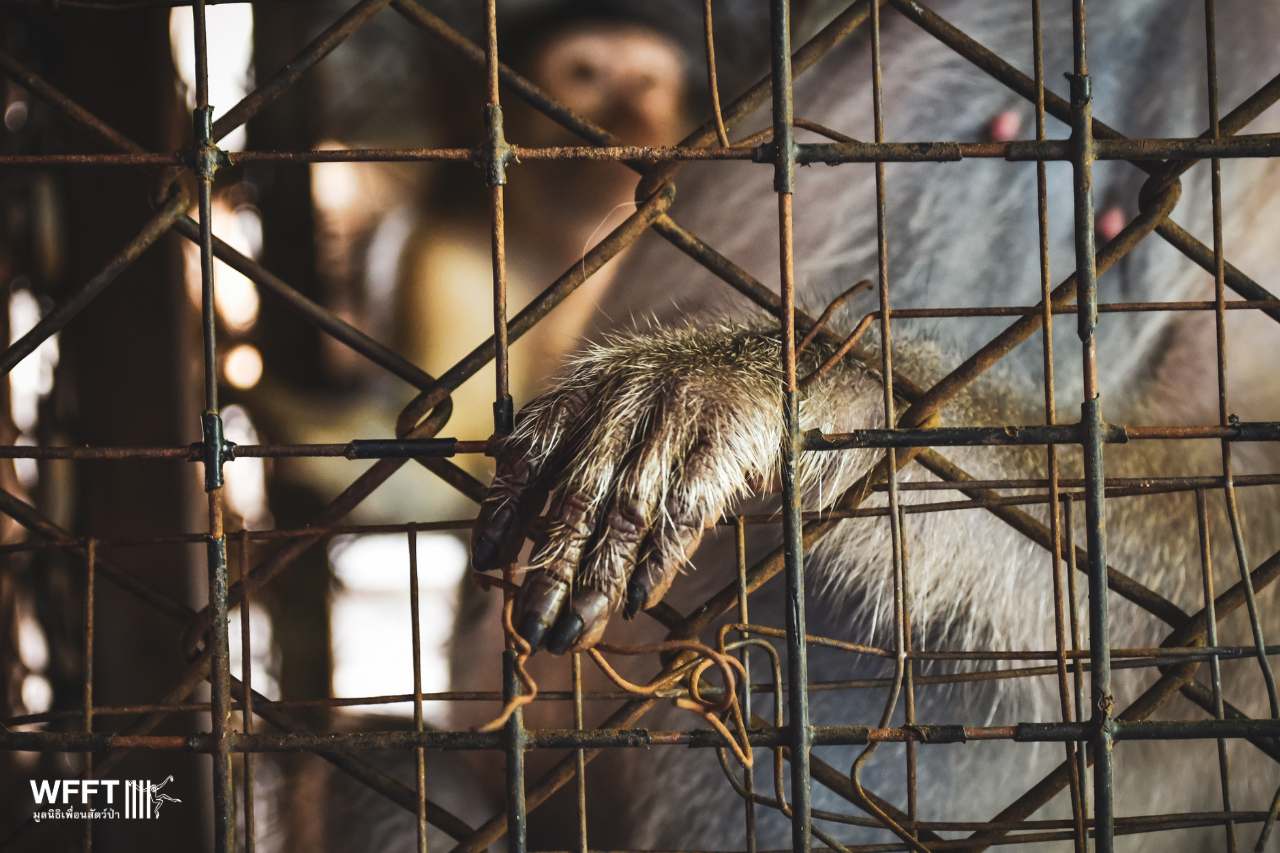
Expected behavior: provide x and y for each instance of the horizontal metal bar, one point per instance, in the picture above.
(113, 5)
(1208, 818)
(1132, 485)
(1158, 149)
(1125, 659)
(1103, 308)
(398, 448)
(361, 448)
(841, 735)
(1117, 487)
(147, 158)
(1034, 435)
(638, 154)
(807, 153)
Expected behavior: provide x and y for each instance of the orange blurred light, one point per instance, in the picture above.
(242, 366)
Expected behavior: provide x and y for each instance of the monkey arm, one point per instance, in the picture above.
(643, 443)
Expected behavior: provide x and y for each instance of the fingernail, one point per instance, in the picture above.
(565, 632)
(637, 595)
(541, 601)
(591, 606)
(484, 554)
(533, 628)
(486, 541)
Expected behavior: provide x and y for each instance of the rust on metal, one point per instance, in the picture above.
(912, 436)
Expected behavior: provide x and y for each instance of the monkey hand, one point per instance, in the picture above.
(643, 444)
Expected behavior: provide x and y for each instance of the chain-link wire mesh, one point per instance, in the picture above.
(1088, 727)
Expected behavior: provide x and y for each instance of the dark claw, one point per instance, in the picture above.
(533, 628)
(582, 624)
(565, 633)
(541, 601)
(637, 594)
(486, 547)
(483, 555)
(658, 568)
(513, 497)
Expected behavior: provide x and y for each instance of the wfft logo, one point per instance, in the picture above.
(99, 799)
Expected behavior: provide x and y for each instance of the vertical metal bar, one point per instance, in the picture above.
(90, 560)
(219, 672)
(246, 705)
(800, 735)
(503, 408)
(517, 816)
(1103, 703)
(415, 632)
(1220, 337)
(1224, 417)
(580, 755)
(1077, 643)
(1051, 417)
(908, 684)
(713, 83)
(897, 555)
(744, 616)
(206, 161)
(496, 174)
(1215, 665)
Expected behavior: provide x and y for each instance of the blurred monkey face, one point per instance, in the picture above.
(628, 78)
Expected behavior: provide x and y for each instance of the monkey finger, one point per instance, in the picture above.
(669, 549)
(538, 606)
(575, 514)
(555, 561)
(581, 624)
(498, 531)
(615, 548)
(640, 489)
(694, 502)
(519, 489)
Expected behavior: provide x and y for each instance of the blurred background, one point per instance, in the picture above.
(401, 251)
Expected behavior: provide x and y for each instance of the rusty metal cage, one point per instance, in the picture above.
(1088, 727)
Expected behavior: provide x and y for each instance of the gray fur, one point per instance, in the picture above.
(959, 234)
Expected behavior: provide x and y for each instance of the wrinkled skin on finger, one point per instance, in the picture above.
(642, 445)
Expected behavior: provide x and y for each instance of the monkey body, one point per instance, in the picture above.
(651, 436)
(976, 583)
